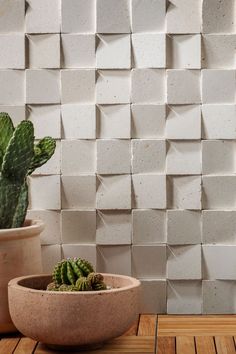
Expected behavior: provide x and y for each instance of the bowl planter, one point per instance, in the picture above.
(65, 320)
(20, 254)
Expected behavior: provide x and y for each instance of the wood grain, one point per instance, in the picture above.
(147, 325)
(25, 346)
(166, 345)
(185, 345)
(7, 345)
(225, 345)
(205, 345)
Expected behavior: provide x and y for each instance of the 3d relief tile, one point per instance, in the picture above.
(218, 16)
(113, 86)
(17, 113)
(77, 86)
(12, 16)
(212, 92)
(78, 50)
(149, 18)
(184, 16)
(45, 192)
(153, 296)
(51, 254)
(149, 226)
(183, 122)
(78, 192)
(219, 121)
(46, 120)
(183, 227)
(78, 121)
(44, 51)
(113, 156)
(148, 156)
(42, 86)
(148, 121)
(37, 22)
(219, 227)
(148, 85)
(78, 226)
(53, 167)
(78, 157)
(70, 250)
(218, 297)
(12, 51)
(114, 259)
(113, 16)
(149, 50)
(113, 228)
(113, 51)
(149, 261)
(78, 16)
(149, 191)
(113, 121)
(12, 84)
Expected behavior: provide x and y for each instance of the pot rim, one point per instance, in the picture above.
(14, 283)
(31, 228)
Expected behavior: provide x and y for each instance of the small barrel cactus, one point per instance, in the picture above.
(95, 278)
(100, 286)
(19, 157)
(82, 284)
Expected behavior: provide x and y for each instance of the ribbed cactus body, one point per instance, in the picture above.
(18, 158)
(99, 286)
(82, 284)
(95, 278)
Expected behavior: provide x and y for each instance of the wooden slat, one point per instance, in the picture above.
(205, 345)
(225, 345)
(133, 330)
(166, 345)
(7, 345)
(25, 346)
(185, 345)
(147, 325)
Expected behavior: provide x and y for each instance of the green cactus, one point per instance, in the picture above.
(52, 287)
(95, 278)
(82, 284)
(19, 157)
(99, 286)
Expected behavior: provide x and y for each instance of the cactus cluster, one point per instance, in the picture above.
(75, 275)
(19, 157)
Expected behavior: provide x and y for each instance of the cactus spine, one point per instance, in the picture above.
(19, 157)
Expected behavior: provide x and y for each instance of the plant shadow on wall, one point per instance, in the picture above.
(20, 251)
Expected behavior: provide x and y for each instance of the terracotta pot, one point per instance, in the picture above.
(83, 319)
(20, 254)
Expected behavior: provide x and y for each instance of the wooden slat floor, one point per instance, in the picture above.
(176, 335)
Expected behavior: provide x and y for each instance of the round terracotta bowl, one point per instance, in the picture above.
(64, 320)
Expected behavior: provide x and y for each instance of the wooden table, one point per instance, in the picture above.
(176, 335)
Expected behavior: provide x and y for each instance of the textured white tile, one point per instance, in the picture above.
(183, 227)
(53, 166)
(113, 228)
(77, 86)
(184, 297)
(46, 120)
(44, 51)
(17, 113)
(149, 18)
(184, 262)
(185, 51)
(183, 158)
(113, 51)
(113, 156)
(45, 192)
(153, 296)
(78, 157)
(218, 297)
(12, 16)
(78, 226)
(12, 51)
(184, 192)
(78, 192)
(183, 122)
(149, 191)
(149, 261)
(149, 226)
(219, 121)
(183, 86)
(219, 262)
(51, 255)
(78, 50)
(148, 121)
(113, 86)
(78, 16)
(114, 259)
(80, 250)
(148, 85)
(78, 121)
(42, 86)
(218, 16)
(113, 16)
(114, 192)
(149, 50)
(219, 227)
(218, 157)
(212, 92)
(12, 87)
(219, 192)
(184, 16)
(148, 156)
(113, 121)
(43, 16)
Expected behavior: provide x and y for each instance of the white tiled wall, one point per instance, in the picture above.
(140, 95)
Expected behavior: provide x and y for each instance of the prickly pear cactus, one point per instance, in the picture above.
(19, 156)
